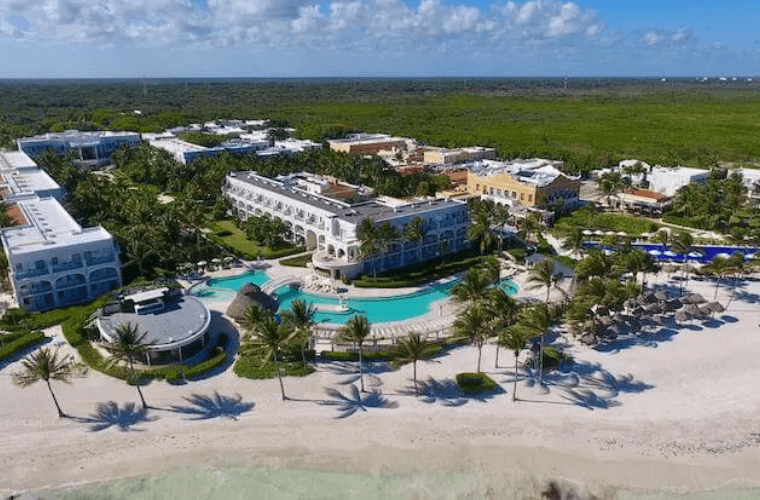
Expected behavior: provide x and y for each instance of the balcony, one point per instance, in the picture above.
(104, 259)
(31, 273)
(67, 266)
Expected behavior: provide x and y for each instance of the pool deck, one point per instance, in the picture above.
(434, 324)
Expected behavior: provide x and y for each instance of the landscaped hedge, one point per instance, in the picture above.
(390, 355)
(21, 341)
(554, 358)
(251, 367)
(473, 383)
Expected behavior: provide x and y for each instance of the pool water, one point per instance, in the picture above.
(377, 309)
(708, 253)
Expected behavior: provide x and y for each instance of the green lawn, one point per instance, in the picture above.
(228, 234)
(604, 221)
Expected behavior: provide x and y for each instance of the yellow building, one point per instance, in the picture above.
(444, 156)
(525, 184)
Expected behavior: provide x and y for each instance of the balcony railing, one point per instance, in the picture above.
(31, 273)
(104, 259)
(67, 266)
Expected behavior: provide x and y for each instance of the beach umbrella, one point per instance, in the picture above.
(670, 254)
(588, 339)
(606, 320)
(599, 233)
(672, 305)
(658, 319)
(694, 255)
(682, 316)
(654, 308)
(650, 297)
(645, 235)
(607, 251)
(661, 295)
(610, 233)
(216, 261)
(630, 303)
(641, 300)
(697, 298)
(635, 326)
(601, 310)
(202, 263)
(705, 311)
(723, 255)
(692, 310)
(638, 311)
(750, 256)
(229, 259)
(715, 307)
(586, 232)
(622, 233)
(655, 253)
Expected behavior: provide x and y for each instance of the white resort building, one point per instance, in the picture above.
(91, 149)
(314, 209)
(52, 260)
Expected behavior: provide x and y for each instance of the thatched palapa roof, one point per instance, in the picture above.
(250, 294)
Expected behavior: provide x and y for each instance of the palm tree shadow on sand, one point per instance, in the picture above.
(354, 401)
(445, 392)
(584, 384)
(202, 407)
(109, 414)
(350, 371)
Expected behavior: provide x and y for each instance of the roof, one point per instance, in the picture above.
(182, 318)
(287, 188)
(140, 297)
(16, 160)
(75, 136)
(645, 193)
(536, 172)
(48, 224)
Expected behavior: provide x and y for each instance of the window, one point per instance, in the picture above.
(54, 260)
(530, 197)
(522, 196)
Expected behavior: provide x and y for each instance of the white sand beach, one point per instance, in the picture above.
(677, 410)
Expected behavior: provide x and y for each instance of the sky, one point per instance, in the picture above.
(366, 38)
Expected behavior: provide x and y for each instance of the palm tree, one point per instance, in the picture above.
(369, 238)
(252, 316)
(717, 267)
(412, 349)
(127, 346)
(480, 230)
(473, 288)
(514, 339)
(387, 234)
(356, 330)
(537, 320)
(415, 232)
(301, 318)
(45, 364)
(542, 275)
(574, 242)
(503, 310)
(683, 242)
(472, 325)
(531, 226)
(268, 339)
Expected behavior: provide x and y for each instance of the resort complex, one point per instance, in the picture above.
(328, 225)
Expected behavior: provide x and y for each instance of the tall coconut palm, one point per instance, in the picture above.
(503, 310)
(537, 320)
(357, 330)
(369, 241)
(415, 232)
(412, 349)
(717, 267)
(46, 364)
(513, 338)
(472, 325)
(301, 318)
(268, 339)
(127, 346)
(387, 234)
(574, 242)
(473, 288)
(252, 316)
(683, 242)
(542, 276)
(480, 230)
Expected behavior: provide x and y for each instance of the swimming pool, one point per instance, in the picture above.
(377, 309)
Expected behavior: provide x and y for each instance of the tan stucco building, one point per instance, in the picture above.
(531, 184)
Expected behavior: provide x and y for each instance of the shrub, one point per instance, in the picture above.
(300, 261)
(473, 383)
(21, 342)
(553, 358)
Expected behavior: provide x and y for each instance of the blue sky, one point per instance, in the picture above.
(270, 38)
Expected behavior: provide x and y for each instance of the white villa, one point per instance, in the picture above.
(53, 262)
(329, 225)
(667, 180)
(92, 149)
(186, 152)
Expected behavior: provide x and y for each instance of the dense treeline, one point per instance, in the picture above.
(590, 124)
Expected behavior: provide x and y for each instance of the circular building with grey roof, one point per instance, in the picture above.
(176, 326)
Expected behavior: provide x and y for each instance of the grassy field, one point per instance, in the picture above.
(228, 234)
(603, 221)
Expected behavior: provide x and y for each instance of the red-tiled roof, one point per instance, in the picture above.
(17, 218)
(646, 193)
